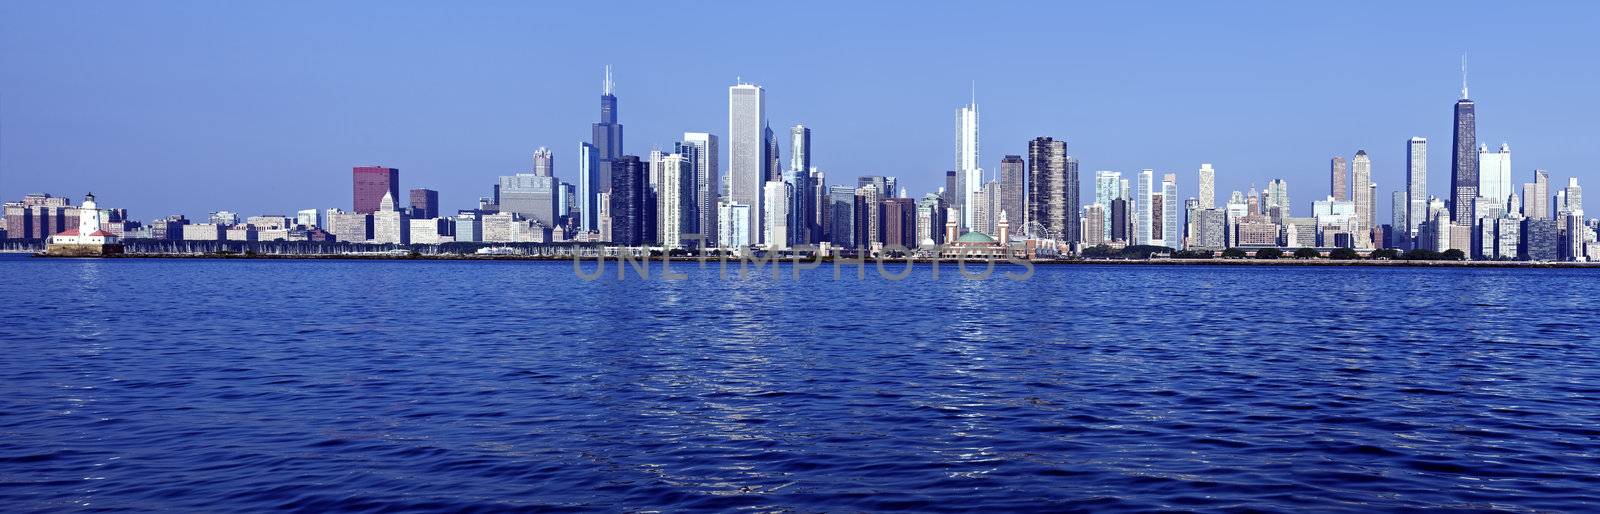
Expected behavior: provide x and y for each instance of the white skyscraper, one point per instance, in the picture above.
(1170, 231)
(1361, 195)
(969, 176)
(1494, 174)
(1143, 222)
(1416, 184)
(734, 225)
(1208, 187)
(706, 176)
(308, 218)
(776, 204)
(674, 193)
(1107, 187)
(747, 153)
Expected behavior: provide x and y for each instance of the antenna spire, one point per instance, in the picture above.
(608, 79)
(1463, 75)
(974, 94)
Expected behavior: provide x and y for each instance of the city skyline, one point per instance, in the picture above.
(1096, 142)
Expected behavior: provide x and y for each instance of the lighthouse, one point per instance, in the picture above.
(88, 239)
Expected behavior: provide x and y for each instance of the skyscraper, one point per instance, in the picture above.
(1012, 194)
(530, 196)
(1048, 189)
(1464, 156)
(869, 226)
(841, 227)
(543, 163)
(1536, 196)
(1361, 182)
(1416, 185)
(1170, 206)
(1277, 205)
(777, 202)
(798, 177)
(589, 187)
(1574, 196)
(747, 152)
(1107, 188)
(1208, 187)
(1338, 179)
(424, 203)
(774, 166)
(931, 211)
(606, 136)
(627, 200)
(969, 176)
(675, 207)
(1143, 229)
(706, 190)
(369, 184)
(1494, 174)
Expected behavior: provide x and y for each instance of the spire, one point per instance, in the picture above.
(1463, 76)
(974, 95)
(608, 80)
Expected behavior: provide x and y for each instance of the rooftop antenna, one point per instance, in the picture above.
(608, 79)
(974, 94)
(1463, 75)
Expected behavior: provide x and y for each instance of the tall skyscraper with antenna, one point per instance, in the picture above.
(969, 176)
(605, 143)
(1464, 156)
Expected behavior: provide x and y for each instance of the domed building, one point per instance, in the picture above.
(977, 245)
(89, 239)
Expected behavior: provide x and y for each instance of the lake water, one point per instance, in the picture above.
(210, 385)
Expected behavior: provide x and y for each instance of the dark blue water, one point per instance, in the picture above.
(195, 385)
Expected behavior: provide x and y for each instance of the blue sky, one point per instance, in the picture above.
(263, 107)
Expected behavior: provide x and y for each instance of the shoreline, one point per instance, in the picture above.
(1215, 261)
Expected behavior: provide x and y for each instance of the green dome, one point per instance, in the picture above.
(974, 237)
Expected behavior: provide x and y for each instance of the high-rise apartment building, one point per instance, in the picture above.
(1144, 231)
(1494, 174)
(702, 148)
(1052, 189)
(1013, 198)
(778, 198)
(629, 223)
(1208, 187)
(1416, 184)
(1170, 205)
(868, 217)
(675, 206)
(1107, 187)
(841, 227)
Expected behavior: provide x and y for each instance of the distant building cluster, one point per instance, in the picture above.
(679, 197)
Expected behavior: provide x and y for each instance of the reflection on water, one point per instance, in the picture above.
(250, 385)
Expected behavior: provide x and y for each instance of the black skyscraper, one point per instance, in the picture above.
(628, 196)
(1052, 190)
(607, 134)
(1464, 157)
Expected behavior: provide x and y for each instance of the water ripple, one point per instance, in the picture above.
(512, 386)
